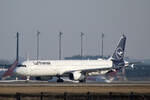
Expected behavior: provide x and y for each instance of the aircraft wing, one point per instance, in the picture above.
(84, 71)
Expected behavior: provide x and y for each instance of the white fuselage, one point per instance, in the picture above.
(59, 67)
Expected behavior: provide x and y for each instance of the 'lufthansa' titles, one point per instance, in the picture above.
(42, 63)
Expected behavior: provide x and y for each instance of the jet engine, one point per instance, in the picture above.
(76, 76)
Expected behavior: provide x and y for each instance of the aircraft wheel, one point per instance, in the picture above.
(82, 81)
(60, 80)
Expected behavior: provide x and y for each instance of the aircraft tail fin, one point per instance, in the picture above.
(118, 55)
(9, 72)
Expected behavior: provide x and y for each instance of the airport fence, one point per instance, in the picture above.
(76, 96)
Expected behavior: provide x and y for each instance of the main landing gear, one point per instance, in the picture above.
(59, 79)
(82, 81)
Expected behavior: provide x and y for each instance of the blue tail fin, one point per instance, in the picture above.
(118, 54)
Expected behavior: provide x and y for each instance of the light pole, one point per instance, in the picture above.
(60, 34)
(17, 52)
(81, 44)
(102, 43)
(38, 33)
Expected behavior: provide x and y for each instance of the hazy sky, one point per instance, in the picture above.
(71, 17)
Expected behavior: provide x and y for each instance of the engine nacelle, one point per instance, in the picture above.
(76, 76)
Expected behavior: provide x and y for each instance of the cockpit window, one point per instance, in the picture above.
(21, 66)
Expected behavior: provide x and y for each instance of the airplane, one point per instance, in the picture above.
(75, 70)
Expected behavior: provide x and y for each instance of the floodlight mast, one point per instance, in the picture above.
(60, 35)
(82, 34)
(38, 34)
(17, 52)
(102, 43)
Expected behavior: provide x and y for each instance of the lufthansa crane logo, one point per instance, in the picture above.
(119, 53)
